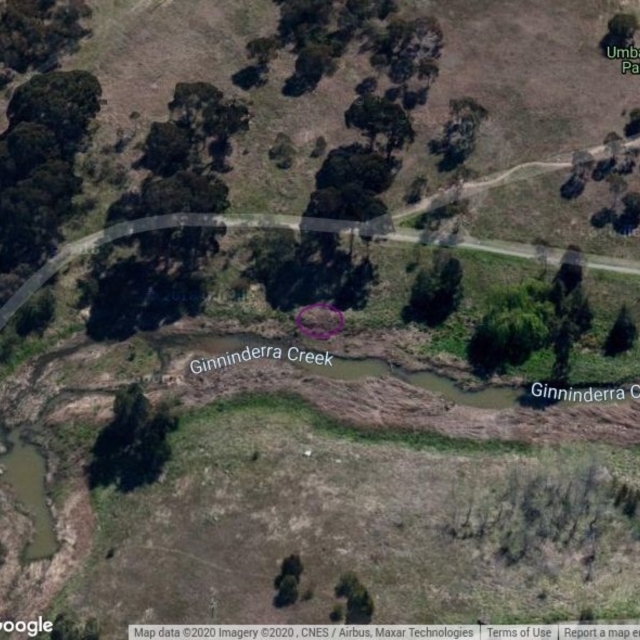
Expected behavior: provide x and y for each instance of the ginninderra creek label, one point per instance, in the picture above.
(293, 354)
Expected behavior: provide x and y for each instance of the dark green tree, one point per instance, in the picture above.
(583, 163)
(190, 100)
(31, 145)
(313, 62)
(571, 271)
(621, 31)
(33, 34)
(360, 606)
(63, 101)
(132, 449)
(406, 46)
(166, 149)
(632, 128)
(291, 566)
(629, 219)
(376, 116)
(303, 20)
(287, 592)
(288, 581)
(623, 334)
(437, 292)
(263, 50)
(562, 352)
(520, 321)
(355, 165)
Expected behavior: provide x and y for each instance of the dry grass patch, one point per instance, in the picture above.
(240, 494)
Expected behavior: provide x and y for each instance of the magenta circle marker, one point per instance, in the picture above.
(317, 335)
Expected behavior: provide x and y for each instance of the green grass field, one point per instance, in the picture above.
(239, 494)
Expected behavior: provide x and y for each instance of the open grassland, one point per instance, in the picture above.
(239, 494)
(545, 87)
(533, 209)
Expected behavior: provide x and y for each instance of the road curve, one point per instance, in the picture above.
(90, 243)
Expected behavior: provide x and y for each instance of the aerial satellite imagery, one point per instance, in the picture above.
(318, 312)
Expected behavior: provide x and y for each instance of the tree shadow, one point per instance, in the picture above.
(573, 188)
(297, 85)
(132, 296)
(251, 77)
(130, 457)
(316, 271)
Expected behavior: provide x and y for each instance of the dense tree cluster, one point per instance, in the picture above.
(132, 449)
(582, 165)
(198, 134)
(347, 186)
(318, 32)
(166, 149)
(293, 277)
(407, 48)
(132, 295)
(460, 132)
(261, 51)
(436, 292)
(202, 122)
(623, 215)
(207, 120)
(375, 116)
(313, 62)
(572, 310)
(619, 161)
(518, 322)
(48, 118)
(535, 315)
(33, 33)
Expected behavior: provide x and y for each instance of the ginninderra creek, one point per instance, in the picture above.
(24, 465)
(24, 468)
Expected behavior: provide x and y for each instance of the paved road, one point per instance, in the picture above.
(91, 243)
(521, 250)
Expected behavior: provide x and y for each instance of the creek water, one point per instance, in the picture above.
(25, 471)
(25, 467)
(346, 368)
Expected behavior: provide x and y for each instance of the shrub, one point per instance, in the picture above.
(282, 152)
(287, 592)
(320, 147)
(337, 613)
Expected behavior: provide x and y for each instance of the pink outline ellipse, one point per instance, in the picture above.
(324, 335)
